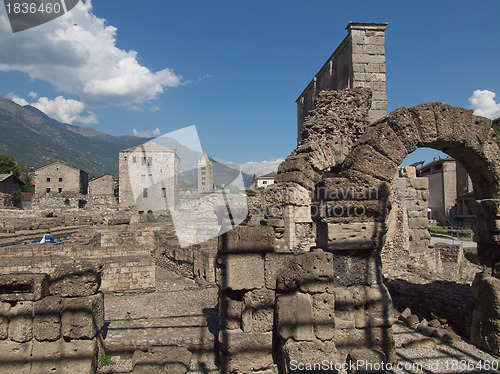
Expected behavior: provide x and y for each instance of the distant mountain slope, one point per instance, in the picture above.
(35, 139)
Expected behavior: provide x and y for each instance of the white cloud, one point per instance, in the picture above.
(484, 104)
(65, 110)
(33, 95)
(77, 53)
(146, 133)
(260, 167)
(18, 100)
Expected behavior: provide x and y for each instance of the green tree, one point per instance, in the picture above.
(8, 164)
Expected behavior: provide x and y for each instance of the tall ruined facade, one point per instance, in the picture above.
(359, 61)
(316, 290)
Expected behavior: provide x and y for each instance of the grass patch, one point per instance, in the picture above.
(107, 360)
(179, 278)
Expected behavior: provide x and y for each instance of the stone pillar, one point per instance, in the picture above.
(246, 303)
(351, 226)
(368, 63)
(50, 325)
(288, 211)
(485, 331)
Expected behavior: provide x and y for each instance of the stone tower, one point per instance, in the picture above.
(205, 174)
(359, 61)
(149, 178)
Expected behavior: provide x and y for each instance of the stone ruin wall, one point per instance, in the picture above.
(325, 290)
(50, 324)
(124, 252)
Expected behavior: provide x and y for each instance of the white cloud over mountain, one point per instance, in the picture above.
(146, 133)
(61, 109)
(483, 103)
(260, 167)
(77, 53)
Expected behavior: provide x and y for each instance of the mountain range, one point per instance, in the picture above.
(35, 139)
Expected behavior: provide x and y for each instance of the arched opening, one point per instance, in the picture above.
(473, 144)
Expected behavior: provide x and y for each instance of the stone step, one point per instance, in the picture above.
(190, 331)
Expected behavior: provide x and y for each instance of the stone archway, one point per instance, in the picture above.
(469, 139)
(322, 293)
(454, 130)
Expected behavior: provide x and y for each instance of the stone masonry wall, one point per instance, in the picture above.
(123, 269)
(50, 324)
(124, 252)
(320, 304)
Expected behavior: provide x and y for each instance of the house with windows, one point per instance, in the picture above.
(148, 178)
(205, 174)
(59, 177)
(265, 180)
(450, 189)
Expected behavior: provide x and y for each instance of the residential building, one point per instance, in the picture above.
(149, 178)
(449, 189)
(265, 180)
(59, 177)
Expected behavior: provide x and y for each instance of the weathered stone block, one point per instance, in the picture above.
(403, 124)
(345, 319)
(258, 312)
(350, 236)
(417, 223)
(365, 159)
(79, 357)
(379, 338)
(382, 138)
(297, 214)
(30, 287)
(247, 239)
(4, 320)
(274, 264)
(281, 194)
(47, 320)
(14, 357)
(245, 352)
(82, 317)
(356, 268)
(486, 290)
(340, 189)
(240, 271)
(324, 315)
(310, 355)
(310, 272)
(295, 317)
(75, 281)
(160, 360)
(366, 361)
(298, 178)
(231, 309)
(21, 322)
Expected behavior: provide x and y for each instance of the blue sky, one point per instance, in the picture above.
(234, 69)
